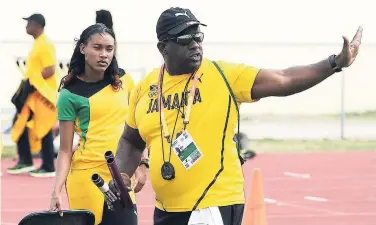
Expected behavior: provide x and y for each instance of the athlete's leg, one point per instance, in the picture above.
(91, 198)
(83, 194)
(48, 152)
(23, 149)
(48, 168)
(25, 161)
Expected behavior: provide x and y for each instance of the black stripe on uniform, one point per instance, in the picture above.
(222, 156)
(88, 89)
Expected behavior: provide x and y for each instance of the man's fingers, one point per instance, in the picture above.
(358, 35)
(346, 42)
(138, 187)
(126, 179)
(109, 204)
(134, 183)
(114, 188)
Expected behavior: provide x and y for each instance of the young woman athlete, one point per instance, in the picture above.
(93, 102)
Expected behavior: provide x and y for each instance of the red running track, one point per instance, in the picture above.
(310, 189)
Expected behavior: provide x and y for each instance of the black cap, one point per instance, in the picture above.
(174, 20)
(38, 18)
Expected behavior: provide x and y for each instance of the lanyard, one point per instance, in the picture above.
(166, 134)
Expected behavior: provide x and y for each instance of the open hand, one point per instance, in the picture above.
(350, 49)
(141, 176)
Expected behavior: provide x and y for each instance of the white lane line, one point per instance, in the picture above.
(269, 200)
(316, 199)
(298, 175)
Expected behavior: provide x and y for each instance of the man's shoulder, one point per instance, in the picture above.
(222, 64)
(226, 63)
(235, 67)
(153, 74)
(44, 42)
(150, 79)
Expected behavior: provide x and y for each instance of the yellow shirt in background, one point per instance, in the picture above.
(42, 55)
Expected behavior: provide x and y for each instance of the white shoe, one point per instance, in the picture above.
(19, 168)
(41, 173)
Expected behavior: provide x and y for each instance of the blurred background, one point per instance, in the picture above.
(338, 114)
(265, 34)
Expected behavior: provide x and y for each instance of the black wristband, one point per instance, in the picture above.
(145, 162)
(333, 64)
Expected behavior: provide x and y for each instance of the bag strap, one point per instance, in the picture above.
(236, 106)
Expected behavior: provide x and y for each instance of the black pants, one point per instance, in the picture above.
(24, 151)
(126, 217)
(231, 215)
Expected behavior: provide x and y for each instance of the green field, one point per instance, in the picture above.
(286, 146)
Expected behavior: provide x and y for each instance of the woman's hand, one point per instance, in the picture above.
(55, 203)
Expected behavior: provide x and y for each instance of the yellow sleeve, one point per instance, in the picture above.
(133, 99)
(241, 78)
(129, 83)
(48, 55)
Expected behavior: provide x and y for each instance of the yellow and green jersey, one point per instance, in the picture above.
(99, 114)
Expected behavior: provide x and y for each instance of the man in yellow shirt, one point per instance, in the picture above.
(186, 111)
(41, 78)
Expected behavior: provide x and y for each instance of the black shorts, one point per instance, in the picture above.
(125, 217)
(231, 215)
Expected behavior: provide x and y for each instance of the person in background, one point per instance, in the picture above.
(105, 17)
(35, 102)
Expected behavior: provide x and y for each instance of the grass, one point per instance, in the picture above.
(371, 114)
(284, 146)
(349, 116)
(8, 152)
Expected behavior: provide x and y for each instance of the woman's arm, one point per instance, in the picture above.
(64, 158)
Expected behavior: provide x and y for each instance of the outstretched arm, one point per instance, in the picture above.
(300, 78)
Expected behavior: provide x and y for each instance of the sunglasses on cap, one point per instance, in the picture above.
(186, 39)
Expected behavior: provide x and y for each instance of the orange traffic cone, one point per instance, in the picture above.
(254, 209)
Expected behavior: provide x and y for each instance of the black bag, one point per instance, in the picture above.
(70, 217)
(20, 97)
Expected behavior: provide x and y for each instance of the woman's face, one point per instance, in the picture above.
(99, 51)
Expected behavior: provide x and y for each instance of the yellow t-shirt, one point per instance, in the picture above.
(42, 55)
(216, 179)
(99, 113)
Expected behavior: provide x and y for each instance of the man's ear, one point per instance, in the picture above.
(162, 48)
